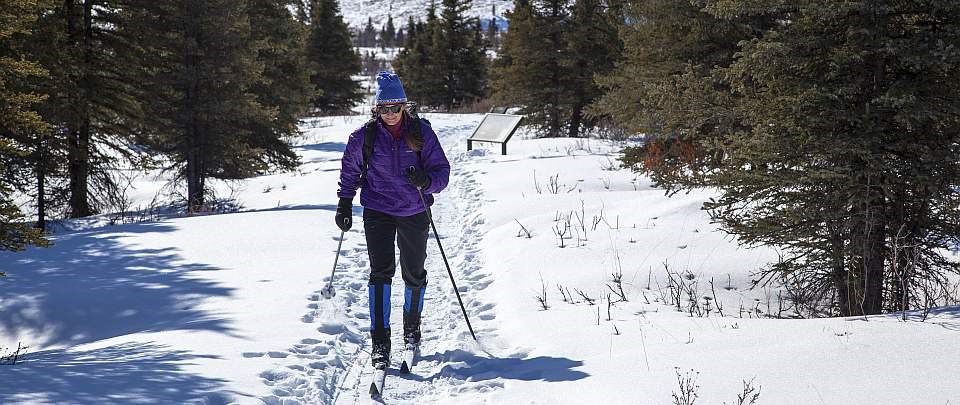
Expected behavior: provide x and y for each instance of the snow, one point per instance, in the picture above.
(356, 12)
(227, 308)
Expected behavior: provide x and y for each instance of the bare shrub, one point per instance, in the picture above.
(10, 357)
(553, 184)
(523, 230)
(542, 297)
(562, 229)
(687, 393)
(716, 302)
(610, 165)
(750, 394)
(584, 296)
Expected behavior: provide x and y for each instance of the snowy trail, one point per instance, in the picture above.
(447, 339)
(333, 366)
(218, 309)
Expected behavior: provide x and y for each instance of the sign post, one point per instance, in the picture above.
(495, 128)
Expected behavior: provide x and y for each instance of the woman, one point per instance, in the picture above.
(397, 176)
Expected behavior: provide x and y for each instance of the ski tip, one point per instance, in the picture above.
(376, 386)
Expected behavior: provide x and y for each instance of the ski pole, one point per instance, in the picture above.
(328, 291)
(444, 255)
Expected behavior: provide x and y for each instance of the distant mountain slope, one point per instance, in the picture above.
(356, 12)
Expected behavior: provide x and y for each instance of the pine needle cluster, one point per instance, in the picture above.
(214, 89)
(830, 129)
(444, 64)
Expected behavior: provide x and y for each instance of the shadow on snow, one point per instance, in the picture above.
(126, 373)
(89, 287)
(357, 210)
(338, 147)
(947, 317)
(943, 313)
(475, 368)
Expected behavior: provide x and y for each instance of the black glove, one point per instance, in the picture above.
(418, 178)
(344, 215)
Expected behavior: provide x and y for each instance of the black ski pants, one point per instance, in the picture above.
(410, 234)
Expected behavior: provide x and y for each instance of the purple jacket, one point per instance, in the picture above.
(387, 189)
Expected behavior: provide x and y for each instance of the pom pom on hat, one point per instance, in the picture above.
(389, 89)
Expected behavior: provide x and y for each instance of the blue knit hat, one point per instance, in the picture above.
(389, 89)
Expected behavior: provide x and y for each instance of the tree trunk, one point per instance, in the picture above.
(41, 183)
(194, 183)
(838, 265)
(875, 212)
(195, 170)
(79, 125)
(905, 265)
(874, 254)
(903, 251)
(575, 119)
(555, 122)
(864, 281)
(81, 189)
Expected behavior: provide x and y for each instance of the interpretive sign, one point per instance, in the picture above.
(495, 128)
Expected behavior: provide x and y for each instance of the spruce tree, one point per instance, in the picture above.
(368, 37)
(443, 63)
(409, 56)
(548, 61)
(530, 73)
(851, 158)
(205, 115)
(664, 87)
(370, 63)
(285, 84)
(94, 104)
(492, 34)
(553, 22)
(432, 75)
(18, 117)
(593, 46)
(461, 55)
(389, 34)
(417, 63)
(332, 60)
(826, 131)
(36, 166)
(515, 69)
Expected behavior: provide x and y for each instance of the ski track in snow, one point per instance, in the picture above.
(316, 373)
(333, 365)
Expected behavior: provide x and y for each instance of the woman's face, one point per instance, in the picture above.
(391, 113)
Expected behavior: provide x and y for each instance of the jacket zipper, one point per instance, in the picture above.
(396, 157)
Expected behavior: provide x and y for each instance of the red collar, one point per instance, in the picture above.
(395, 130)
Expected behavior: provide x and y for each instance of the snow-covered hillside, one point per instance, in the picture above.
(356, 12)
(226, 308)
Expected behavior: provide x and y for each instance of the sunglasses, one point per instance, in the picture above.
(383, 109)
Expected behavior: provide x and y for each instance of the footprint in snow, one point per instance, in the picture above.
(274, 375)
(331, 328)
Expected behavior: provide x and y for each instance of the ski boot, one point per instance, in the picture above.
(380, 336)
(413, 305)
